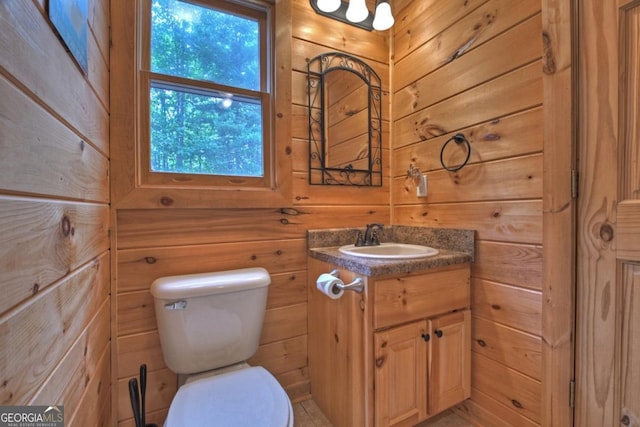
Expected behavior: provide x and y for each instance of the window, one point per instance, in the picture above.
(207, 107)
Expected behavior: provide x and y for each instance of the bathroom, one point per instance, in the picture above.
(82, 240)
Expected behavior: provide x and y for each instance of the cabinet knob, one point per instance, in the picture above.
(426, 337)
(438, 333)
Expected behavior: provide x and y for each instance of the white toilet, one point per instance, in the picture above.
(209, 324)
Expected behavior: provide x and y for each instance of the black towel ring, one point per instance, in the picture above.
(459, 138)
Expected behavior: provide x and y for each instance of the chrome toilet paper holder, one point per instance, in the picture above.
(357, 285)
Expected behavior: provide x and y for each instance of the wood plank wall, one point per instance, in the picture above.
(156, 243)
(474, 66)
(54, 216)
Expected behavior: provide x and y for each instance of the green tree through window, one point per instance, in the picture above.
(206, 104)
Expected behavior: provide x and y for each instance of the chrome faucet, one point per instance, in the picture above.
(370, 236)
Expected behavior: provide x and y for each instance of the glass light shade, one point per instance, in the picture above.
(329, 5)
(357, 11)
(383, 19)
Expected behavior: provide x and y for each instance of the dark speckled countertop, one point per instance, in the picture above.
(456, 247)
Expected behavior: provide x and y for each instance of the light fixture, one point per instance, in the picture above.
(383, 19)
(329, 5)
(355, 12)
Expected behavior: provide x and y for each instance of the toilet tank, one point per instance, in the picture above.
(210, 320)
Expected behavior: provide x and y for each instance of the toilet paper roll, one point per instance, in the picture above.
(326, 284)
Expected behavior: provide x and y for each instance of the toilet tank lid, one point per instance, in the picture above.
(202, 284)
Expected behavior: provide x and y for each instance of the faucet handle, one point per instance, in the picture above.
(359, 239)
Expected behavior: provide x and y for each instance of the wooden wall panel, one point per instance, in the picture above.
(479, 70)
(138, 268)
(509, 305)
(499, 138)
(462, 29)
(61, 237)
(491, 100)
(509, 221)
(54, 216)
(509, 263)
(476, 67)
(80, 365)
(75, 169)
(478, 182)
(523, 399)
(141, 228)
(509, 346)
(422, 22)
(39, 334)
(486, 411)
(73, 99)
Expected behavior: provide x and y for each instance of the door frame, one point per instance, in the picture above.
(559, 20)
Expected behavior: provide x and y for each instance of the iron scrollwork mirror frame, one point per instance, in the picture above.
(319, 172)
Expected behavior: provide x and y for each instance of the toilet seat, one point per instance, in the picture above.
(249, 397)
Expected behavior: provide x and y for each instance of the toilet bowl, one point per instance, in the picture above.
(249, 397)
(209, 324)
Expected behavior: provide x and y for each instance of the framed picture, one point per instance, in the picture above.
(69, 17)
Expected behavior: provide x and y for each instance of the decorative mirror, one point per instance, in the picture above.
(345, 121)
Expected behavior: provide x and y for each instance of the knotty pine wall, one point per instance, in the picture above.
(474, 66)
(155, 243)
(54, 216)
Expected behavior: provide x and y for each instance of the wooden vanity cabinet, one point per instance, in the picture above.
(394, 355)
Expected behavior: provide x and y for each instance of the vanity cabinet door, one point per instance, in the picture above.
(450, 364)
(401, 374)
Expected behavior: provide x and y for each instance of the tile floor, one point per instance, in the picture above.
(307, 414)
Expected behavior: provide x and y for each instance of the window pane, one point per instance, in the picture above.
(205, 133)
(196, 42)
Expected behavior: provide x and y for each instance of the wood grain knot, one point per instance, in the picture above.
(278, 252)
(254, 257)
(284, 221)
(150, 260)
(481, 343)
(35, 288)
(516, 404)
(492, 137)
(65, 226)
(81, 145)
(606, 232)
(380, 361)
(625, 420)
(166, 201)
(280, 115)
(496, 306)
(336, 337)
(289, 211)
(548, 58)
(288, 150)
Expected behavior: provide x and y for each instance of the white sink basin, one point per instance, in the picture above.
(390, 251)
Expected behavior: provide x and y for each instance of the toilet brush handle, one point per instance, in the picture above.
(143, 392)
(135, 400)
